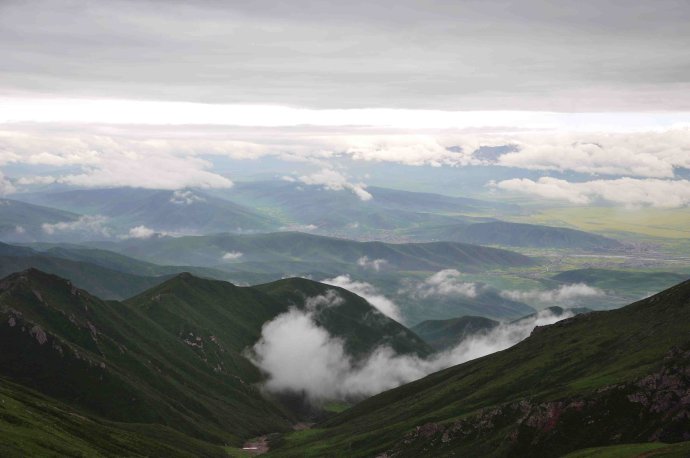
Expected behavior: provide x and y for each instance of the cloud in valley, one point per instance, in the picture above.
(232, 256)
(445, 283)
(375, 264)
(562, 296)
(300, 356)
(368, 292)
(92, 225)
(335, 181)
(141, 232)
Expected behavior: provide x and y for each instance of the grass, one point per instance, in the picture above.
(653, 449)
(650, 222)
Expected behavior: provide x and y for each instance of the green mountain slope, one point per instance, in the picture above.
(601, 378)
(360, 328)
(172, 358)
(444, 334)
(106, 283)
(34, 425)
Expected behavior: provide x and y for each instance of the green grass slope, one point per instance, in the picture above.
(111, 360)
(597, 379)
(361, 327)
(34, 425)
(444, 334)
(173, 356)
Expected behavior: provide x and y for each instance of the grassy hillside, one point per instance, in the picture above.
(444, 334)
(361, 329)
(106, 283)
(171, 358)
(597, 379)
(34, 425)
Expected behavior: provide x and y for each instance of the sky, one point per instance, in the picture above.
(97, 89)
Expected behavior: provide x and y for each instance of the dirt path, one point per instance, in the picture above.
(256, 446)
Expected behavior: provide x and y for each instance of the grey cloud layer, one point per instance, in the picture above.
(565, 56)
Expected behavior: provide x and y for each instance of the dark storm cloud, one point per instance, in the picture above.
(569, 56)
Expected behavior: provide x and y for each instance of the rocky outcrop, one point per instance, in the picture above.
(653, 408)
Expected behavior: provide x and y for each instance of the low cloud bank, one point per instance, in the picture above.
(563, 295)
(299, 356)
(444, 283)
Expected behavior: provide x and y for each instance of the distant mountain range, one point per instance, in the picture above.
(519, 235)
(294, 253)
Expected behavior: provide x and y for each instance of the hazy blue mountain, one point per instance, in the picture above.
(295, 252)
(519, 235)
(190, 211)
(22, 221)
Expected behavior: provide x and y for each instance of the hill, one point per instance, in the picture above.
(621, 280)
(602, 378)
(518, 235)
(186, 211)
(172, 358)
(444, 334)
(293, 253)
(341, 211)
(22, 221)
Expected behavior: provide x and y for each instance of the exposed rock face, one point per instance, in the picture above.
(653, 408)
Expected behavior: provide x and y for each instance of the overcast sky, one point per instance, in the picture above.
(567, 56)
(113, 92)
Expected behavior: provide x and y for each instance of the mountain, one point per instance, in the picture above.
(107, 283)
(621, 280)
(293, 253)
(106, 274)
(168, 363)
(444, 334)
(185, 211)
(597, 379)
(21, 221)
(342, 212)
(355, 324)
(518, 235)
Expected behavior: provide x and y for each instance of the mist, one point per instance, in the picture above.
(299, 356)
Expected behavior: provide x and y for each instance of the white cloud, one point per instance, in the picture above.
(335, 181)
(141, 232)
(563, 295)
(626, 191)
(368, 292)
(445, 283)
(185, 197)
(89, 224)
(300, 356)
(232, 255)
(6, 186)
(376, 264)
(652, 154)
